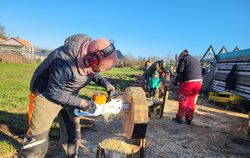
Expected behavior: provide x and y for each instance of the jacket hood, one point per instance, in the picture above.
(73, 43)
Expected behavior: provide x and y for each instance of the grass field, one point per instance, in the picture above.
(14, 90)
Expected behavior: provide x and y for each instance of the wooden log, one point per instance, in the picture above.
(135, 119)
(241, 59)
(240, 79)
(239, 86)
(111, 148)
(233, 63)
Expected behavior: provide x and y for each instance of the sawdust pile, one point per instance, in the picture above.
(109, 117)
(119, 146)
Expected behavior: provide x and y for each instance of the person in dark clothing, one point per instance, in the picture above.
(157, 66)
(55, 86)
(204, 70)
(231, 79)
(190, 78)
(147, 64)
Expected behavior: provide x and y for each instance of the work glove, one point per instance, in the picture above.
(86, 105)
(110, 90)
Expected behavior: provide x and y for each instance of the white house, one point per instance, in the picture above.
(16, 45)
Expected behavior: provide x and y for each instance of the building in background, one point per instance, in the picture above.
(16, 45)
(2, 39)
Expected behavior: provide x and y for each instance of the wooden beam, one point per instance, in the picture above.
(223, 50)
(210, 48)
(236, 49)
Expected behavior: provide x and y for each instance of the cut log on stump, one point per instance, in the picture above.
(135, 119)
(112, 148)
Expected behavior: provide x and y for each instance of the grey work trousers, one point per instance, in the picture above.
(45, 111)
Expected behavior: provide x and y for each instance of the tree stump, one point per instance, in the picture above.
(111, 148)
(135, 119)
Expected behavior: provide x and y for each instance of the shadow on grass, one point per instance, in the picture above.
(13, 127)
(10, 140)
(16, 123)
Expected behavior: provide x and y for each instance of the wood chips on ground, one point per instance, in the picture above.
(119, 146)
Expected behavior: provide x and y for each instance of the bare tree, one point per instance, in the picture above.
(2, 32)
(168, 57)
(130, 61)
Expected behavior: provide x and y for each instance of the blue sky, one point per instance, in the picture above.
(141, 27)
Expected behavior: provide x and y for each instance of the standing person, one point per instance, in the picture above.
(55, 86)
(157, 66)
(204, 70)
(189, 75)
(147, 64)
(154, 85)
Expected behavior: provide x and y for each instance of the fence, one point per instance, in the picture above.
(12, 58)
(17, 58)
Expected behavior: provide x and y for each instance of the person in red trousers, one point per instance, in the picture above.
(190, 78)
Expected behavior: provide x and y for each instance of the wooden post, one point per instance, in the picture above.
(165, 96)
(166, 92)
(142, 147)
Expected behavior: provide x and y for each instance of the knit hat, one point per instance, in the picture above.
(156, 73)
(185, 50)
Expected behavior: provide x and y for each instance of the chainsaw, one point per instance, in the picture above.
(115, 106)
(112, 106)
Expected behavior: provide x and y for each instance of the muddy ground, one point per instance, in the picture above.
(215, 132)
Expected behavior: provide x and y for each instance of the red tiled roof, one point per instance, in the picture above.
(23, 42)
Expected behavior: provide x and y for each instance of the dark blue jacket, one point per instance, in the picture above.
(57, 77)
(188, 68)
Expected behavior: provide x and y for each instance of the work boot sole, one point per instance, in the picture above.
(177, 121)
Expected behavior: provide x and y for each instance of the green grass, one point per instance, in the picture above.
(15, 80)
(14, 86)
(14, 90)
(122, 76)
(6, 149)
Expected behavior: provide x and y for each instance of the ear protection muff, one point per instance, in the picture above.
(108, 50)
(91, 60)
